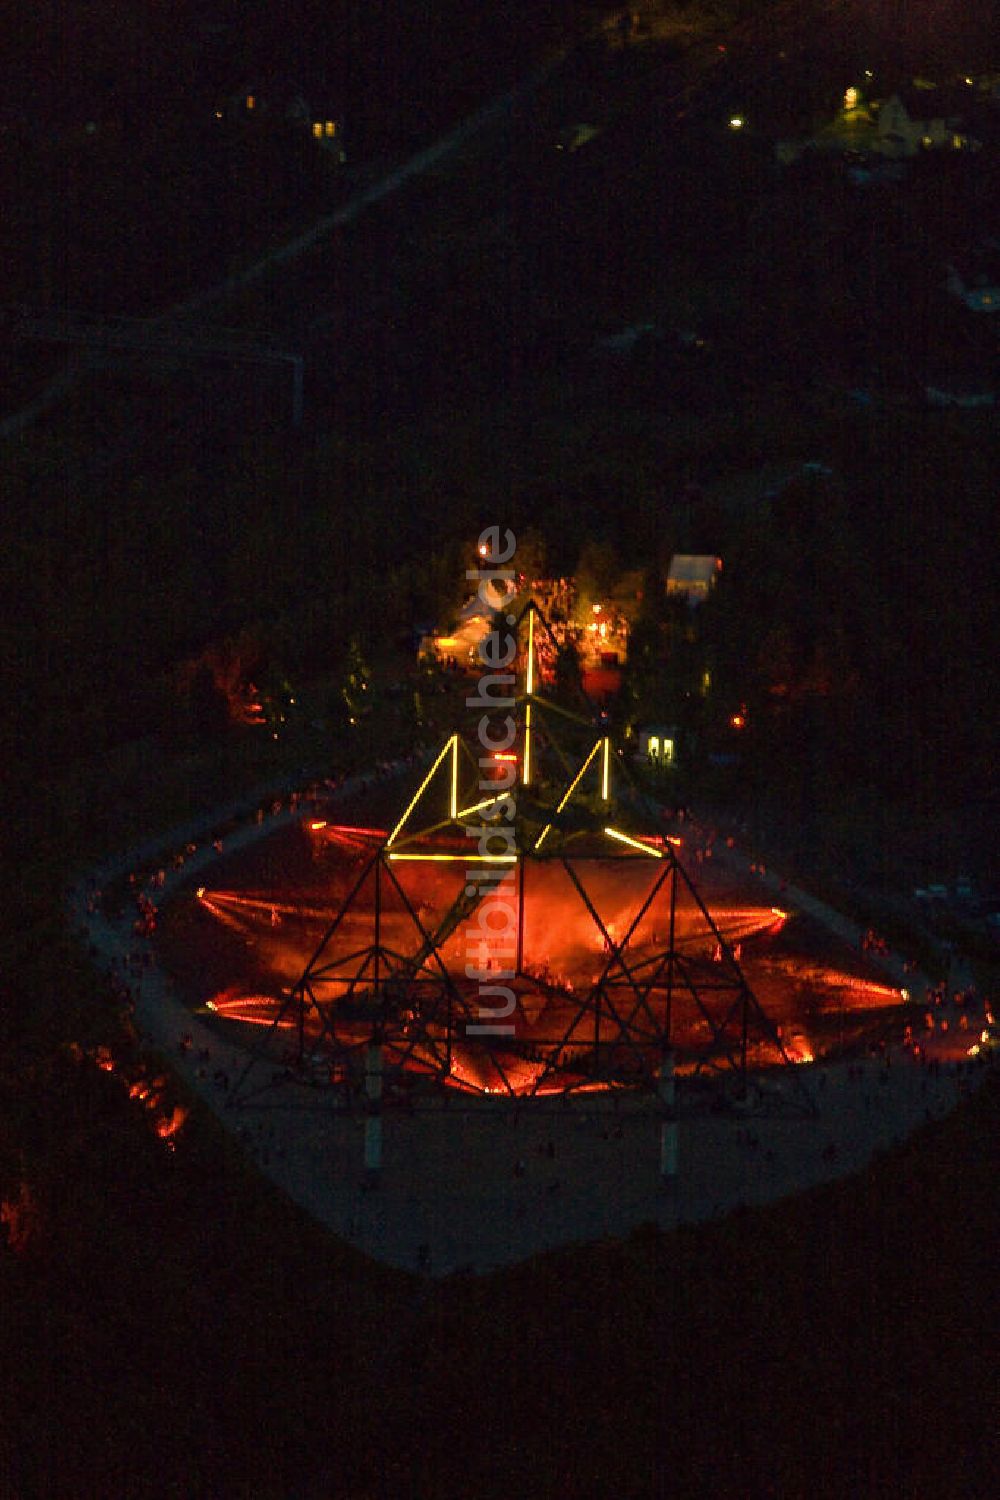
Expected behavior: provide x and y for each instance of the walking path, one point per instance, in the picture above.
(477, 1186)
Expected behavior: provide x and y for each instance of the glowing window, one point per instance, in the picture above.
(251, 101)
(668, 749)
(317, 128)
(654, 744)
(330, 128)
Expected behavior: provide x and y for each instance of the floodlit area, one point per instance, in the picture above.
(473, 1172)
(240, 940)
(415, 990)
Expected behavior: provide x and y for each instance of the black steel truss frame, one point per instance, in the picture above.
(411, 1002)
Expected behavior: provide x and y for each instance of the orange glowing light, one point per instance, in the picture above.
(747, 922)
(606, 771)
(883, 991)
(250, 1010)
(317, 824)
(171, 1123)
(348, 828)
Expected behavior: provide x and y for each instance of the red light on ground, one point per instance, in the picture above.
(251, 1010)
(170, 1124)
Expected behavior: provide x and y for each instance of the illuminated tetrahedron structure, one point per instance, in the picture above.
(520, 931)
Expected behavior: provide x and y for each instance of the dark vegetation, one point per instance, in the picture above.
(170, 1326)
(131, 170)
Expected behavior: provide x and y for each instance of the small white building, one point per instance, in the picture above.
(693, 576)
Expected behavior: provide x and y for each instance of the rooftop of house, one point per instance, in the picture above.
(693, 569)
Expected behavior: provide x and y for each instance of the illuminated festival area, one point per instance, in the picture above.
(240, 945)
(524, 922)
